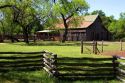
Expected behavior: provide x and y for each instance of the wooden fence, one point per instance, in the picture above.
(64, 67)
(86, 68)
(121, 69)
(94, 45)
(83, 68)
(21, 61)
(50, 63)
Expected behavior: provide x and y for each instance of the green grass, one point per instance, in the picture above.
(68, 49)
(26, 77)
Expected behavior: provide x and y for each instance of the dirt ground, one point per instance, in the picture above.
(112, 53)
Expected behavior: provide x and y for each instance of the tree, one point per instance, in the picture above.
(66, 9)
(117, 27)
(99, 12)
(27, 13)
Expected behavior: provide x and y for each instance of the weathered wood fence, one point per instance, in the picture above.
(86, 68)
(83, 68)
(94, 44)
(64, 67)
(121, 69)
(21, 61)
(50, 63)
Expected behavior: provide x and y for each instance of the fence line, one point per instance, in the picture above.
(99, 69)
(121, 69)
(22, 52)
(65, 67)
(31, 61)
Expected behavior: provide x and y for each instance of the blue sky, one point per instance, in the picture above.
(110, 7)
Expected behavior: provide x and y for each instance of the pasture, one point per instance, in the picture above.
(68, 49)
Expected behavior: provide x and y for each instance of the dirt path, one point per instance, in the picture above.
(111, 53)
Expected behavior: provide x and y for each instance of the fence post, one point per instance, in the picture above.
(121, 45)
(50, 63)
(82, 46)
(96, 47)
(55, 72)
(93, 46)
(102, 45)
(114, 66)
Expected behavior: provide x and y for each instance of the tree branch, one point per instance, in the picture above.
(5, 6)
(62, 16)
(72, 14)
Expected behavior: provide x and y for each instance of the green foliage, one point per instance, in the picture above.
(25, 16)
(118, 27)
(68, 7)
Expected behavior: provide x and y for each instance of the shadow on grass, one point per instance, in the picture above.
(25, 77)
(70, 72)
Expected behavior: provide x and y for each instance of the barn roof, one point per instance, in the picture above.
(84, 22)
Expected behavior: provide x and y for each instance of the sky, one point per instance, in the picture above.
(110, 7)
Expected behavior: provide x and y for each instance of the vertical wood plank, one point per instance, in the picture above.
(114, 65)
(121, 45)
(82, 46)
(93, 46)
(102, 45)
(96, 49)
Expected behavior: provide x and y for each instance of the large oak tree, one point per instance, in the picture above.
(26, 13)
(66, 9)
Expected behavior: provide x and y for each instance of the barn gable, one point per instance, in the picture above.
(97, 31)
(88, 28)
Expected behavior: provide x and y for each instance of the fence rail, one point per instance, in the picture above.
(21, 61)
(121, 69)
(64, 67)
(22, 52)
(82, 68)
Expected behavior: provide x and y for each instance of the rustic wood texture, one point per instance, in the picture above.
(21, 61)
(120, 70)
(82, 46)
(75, 68)
(22, 52)
(50, 63)
(102, 45)
(121, 45)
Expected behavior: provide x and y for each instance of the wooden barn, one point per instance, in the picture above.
(87, 28)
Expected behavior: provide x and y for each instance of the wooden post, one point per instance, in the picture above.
(102, 45)
(114, 66)
(93, 46)
(82, 46)
(55, 72)
(121, 45)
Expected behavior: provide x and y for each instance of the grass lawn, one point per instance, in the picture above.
(68, 49)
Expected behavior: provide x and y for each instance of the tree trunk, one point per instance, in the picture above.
(65, 34)
(25, 35)
(65, 30)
